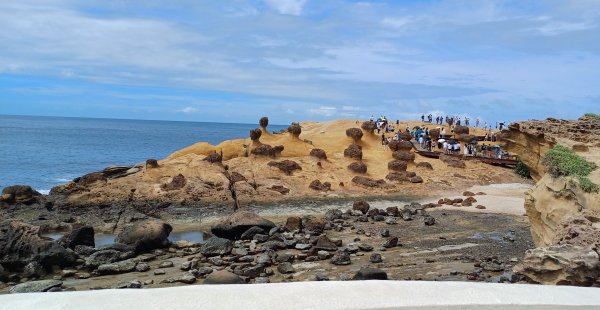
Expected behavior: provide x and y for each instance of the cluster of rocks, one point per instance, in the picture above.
(462, 202)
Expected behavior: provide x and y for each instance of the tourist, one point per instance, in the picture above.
(466, 150)
(443, 133)
(477, 123)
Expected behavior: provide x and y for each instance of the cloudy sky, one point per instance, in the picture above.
(292, 60)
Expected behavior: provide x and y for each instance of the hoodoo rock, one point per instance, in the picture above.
(234, 225)
(354, 151)
(400, 146)
(263, 122)
(354, 133)
(397, 165)
(295, 130)
(146, 235)
(318, 153)
(403, 155)
(214, 158)
(368, 126)
(458, 130)
(255, 134)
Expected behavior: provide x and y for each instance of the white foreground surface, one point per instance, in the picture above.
(319, 295)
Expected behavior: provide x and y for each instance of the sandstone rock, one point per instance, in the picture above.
(295, 130)
(354, 133)
(367, 273)
(368, 126)
(313, 226)
(461, 130)
(353, 151)
(214, 158)
(466, 138)
(287, 166)
(79, 236)
(400, 146)
(390, 242)
(403, 155)
(325, 244)
(358, 167)
(265, 150)
(293, 224)
(480, 207)
(234, 225)
(255, 134)
(561, 265)
(452, 161)
(318, 186)
(35, 286)
(146, 235)
(90, 178)
(368, 182)
(397, 165)
(361, 205)
(468, 193)
(19, 194)
(216, 246)
(318, 153)
(151, 163)
(398, 176)
(263, 122)
(177, 182)
(406, 136)
(223, 277)
(424, 165)
(416, 179)
(280, 189)
(236, 177)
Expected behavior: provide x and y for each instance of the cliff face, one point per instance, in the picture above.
(552, 200)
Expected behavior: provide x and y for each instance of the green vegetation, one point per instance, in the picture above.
(522, 169)
(588, 186)
(592, 115)
(561, 161)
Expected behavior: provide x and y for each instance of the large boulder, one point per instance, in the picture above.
(368, 126)
(263, 122)
(561, 265)
(458, 130)
(318, 153)
(368, 182)
(397, 165)
(234, 225)
(223, 277)
(214, 157)
(295, 130)
(79, 236)
(21, 243)
(19, 194)
(146, 235)
(400, 146)
(361, 206)
(255, 134)
(403, 155)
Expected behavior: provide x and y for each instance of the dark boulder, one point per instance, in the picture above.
(214, 158)
(313, 226)
(233, 226)
(151, 163)
(255, 134)
(367, 273)
(79, 236)
(249, 234)
(318, 153)
(353, 151)
(146, 235)
(215, 246)
(368, 182)
(177, 182)
(368, 126)
(341, 258)
(361, 206)
(458, 130)
(295, 130)
(358, 167)
(424, 165)
(397, 165)
(318, 186)
(354, 133)
(263, 122)
(403, 155)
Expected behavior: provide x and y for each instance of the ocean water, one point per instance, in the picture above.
(47, 151)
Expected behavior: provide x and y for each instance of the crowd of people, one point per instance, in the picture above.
(445, 142)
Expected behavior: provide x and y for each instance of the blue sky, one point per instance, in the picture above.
(297, 60)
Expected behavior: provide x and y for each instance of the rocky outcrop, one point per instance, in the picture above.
(287, 166)
(561, 265)
(19, 194)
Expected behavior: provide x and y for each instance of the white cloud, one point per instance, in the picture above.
(558, 27)
(188, 110)
(396, 22)
(323, 111)
(350, 108)
(290, 7)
